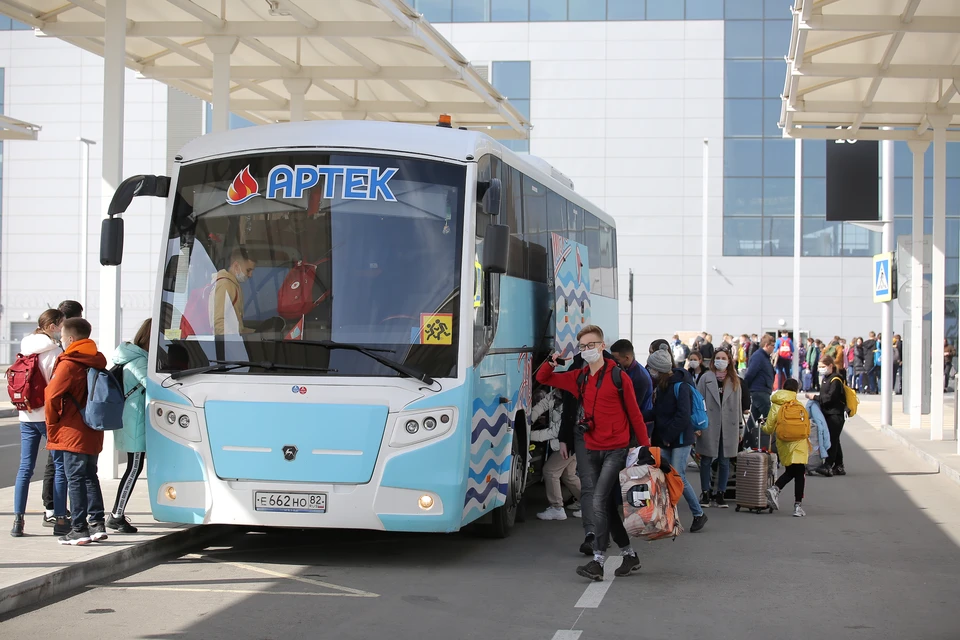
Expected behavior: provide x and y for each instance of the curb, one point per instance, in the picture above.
(9, 413)
(929, 459)
(53, 585)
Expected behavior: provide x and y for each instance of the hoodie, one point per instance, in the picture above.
(789, 451)
(48, 349)
(673, 425)
(66, 430)
(132, 438)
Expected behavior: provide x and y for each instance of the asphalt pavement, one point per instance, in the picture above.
(10, 452)
(877, 557)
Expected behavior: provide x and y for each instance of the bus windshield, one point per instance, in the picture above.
(272, 257)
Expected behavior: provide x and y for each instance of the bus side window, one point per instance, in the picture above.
(592, 231)
(607, 282)
(535, 233)
(513, 203)
(575, 223)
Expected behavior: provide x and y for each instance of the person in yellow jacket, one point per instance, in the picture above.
(226, 303)
(793, 453)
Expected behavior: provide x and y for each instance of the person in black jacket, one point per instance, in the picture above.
(859, 366)
(833, 403)
(897, 364)
(870, 369)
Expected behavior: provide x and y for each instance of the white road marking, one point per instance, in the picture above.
(4, 446)
(593, 594)
(355, 593)
(205, 590)
(567, 635)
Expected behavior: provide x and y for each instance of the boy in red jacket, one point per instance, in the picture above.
(67, 432)
(606, 418)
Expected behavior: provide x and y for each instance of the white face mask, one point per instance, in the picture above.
(241, 277)
(823, 370)
(721, 365)
(591, 355)
(694, 364)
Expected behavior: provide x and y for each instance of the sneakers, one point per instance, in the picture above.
(630, 564)
(798, 511)
(719, 500)
(75, 538)
(49, 519)
(574, 506)
(698, 523)
(61, 527)
(587, 547)
(120, 525)
(705, 499)
(553, 513)
(17, 530)
(839, 470)
(773, 496)
(593, 570)
(98, 532)
(824, 470)
(577, 514)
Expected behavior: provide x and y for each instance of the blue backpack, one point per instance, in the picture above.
(105, 398)
(698, 412)
(876, 357)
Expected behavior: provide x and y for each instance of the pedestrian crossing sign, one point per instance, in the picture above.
(883, 285)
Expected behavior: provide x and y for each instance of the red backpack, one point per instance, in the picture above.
(297, 296)
(786, 348)
(196, 313)
(25, 382)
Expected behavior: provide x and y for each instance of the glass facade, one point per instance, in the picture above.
(512, 79)
(236, 122)
(575, 10)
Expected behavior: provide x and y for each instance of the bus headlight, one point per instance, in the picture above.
(413, 428)
(175, 420)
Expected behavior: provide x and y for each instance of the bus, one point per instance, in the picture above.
(347, 322)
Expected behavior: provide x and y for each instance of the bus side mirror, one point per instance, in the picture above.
(496, 248)
(111, 242)
(490, 198)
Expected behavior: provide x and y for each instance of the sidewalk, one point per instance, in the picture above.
(940, 456)
(6, 408)
(35, 568)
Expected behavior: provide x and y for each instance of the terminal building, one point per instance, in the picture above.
(625, 97)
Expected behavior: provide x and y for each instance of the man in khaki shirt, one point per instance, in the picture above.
(227, 299)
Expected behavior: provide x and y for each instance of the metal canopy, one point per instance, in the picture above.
(864, 64)
(12, 129)
(350, 59)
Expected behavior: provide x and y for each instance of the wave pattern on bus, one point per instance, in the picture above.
(490, 447)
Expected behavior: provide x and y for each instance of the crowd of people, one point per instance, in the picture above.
(606, 402)
(63, 352)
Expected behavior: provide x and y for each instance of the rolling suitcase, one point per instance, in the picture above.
(807, 380)
(756, 472)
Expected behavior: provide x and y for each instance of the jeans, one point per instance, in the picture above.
(84, 489)
(784, 368)
(835, 427)
(851, 376)
(587, 482)
(677, 456)
(604, 468)
(31, 433)
(723, 472)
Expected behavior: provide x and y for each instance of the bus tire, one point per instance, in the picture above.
(505, 517)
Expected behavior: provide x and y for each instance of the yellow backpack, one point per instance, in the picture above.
(793, 422)
(853, 402)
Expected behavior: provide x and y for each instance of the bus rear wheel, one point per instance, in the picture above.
(505, 517)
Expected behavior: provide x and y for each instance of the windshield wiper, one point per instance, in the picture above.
(410, 372)
(229, 365)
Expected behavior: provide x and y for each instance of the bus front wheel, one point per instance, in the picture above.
(506, 516)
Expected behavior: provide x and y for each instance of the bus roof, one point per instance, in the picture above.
(438, 142)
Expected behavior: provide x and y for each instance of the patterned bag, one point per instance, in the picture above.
(648, 510)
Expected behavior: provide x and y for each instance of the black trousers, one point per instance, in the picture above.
(47, 493)
(797, 473)
(835, 427)
(135, 462)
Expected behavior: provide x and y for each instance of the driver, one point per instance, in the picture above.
(227, 298)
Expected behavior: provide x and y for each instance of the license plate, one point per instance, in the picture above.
(290, 502)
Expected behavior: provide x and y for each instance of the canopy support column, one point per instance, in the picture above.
(221, 47)
(114, 70)
(939, 123)
(797, 252)
(886, 318)
(298, 88)
(917, 284)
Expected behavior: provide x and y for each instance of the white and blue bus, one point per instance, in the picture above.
(406, 281)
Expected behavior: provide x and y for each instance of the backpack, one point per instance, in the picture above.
(850, 396)
(876, 357)
(793, 422)
(296, 296)
(786, 348)
(196, 313)
(117, 372)
(25, 382)
(105, 398)
(650, 492)
(698, 410)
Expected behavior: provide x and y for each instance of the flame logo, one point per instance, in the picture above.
(243, 188)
